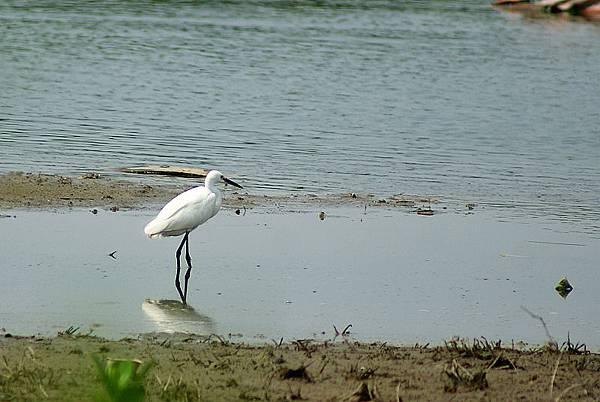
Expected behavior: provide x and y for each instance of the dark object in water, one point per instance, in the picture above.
(563, 287)
(589, 9)
(575, 7)
(167, 170)
(509, 2)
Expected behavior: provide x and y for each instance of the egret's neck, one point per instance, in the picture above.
(211, 184)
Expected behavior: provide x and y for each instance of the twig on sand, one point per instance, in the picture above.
(502, 362)
(554, 375)
(305, 345)
(344, 333)
(398, 397)
(364, 392)
(574, 349)
(559, 397)
(459, 375)
(277, 344)
(210, 338)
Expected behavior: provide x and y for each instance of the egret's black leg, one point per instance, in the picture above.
(188, 259)
(177, 255)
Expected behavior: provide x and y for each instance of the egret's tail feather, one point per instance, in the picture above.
(153, 229)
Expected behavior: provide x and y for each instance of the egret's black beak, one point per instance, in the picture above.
(229, 181)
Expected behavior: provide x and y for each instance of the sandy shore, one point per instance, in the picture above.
(214, 369)
(37, 190)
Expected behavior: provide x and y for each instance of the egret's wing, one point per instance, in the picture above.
(183, 213)
(182, 201)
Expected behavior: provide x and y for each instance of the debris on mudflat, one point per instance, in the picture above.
(502, 362)
(460, 376)
(299, 373)
(425, 211)
(90, 175)
(363, 393)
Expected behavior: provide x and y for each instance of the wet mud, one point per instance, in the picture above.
(38, 190)
(91, 190)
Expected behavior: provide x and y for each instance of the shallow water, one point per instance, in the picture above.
(446, 98)
(394, 276)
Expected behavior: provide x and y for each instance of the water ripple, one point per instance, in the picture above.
(382, 96)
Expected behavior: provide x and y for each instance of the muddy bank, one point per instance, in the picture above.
(38, 190)
(214, 369)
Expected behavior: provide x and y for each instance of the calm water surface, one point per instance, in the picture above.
(395, 276)
(447, 98)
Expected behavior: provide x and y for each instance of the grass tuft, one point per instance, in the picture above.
(26, 378)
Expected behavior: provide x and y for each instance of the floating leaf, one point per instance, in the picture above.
(563, 287)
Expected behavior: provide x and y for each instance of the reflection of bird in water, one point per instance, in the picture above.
(173, 316)
(183, 214)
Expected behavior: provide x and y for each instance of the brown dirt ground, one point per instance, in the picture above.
(213, 369)
(38, 190)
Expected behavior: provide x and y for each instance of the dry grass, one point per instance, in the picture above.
(213, 369)
(25, 378)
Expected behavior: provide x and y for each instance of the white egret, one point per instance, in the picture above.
(183, 214)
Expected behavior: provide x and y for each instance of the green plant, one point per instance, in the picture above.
(122, 380)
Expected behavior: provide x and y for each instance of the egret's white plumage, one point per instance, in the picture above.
(188, 210)
(185, 213)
